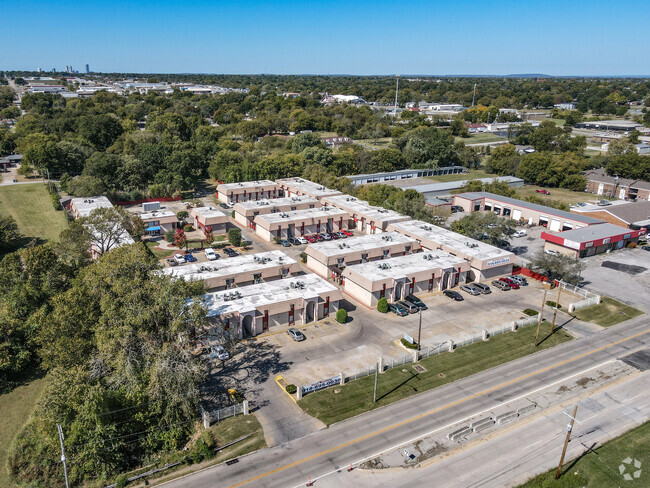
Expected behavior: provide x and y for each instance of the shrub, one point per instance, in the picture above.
(234, 237)
(382, 305)
(551, 303)
(341, 316)
(303, 257)
(121, 481)
(291, 389)
(408, 345)
(188, 228)
(530, 312)
(169, 235)
(232, 214)
(182, 215)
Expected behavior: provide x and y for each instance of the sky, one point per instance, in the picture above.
(563, 38)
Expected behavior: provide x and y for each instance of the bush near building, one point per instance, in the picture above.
(234, 237)
(341, 316)
(382, 305)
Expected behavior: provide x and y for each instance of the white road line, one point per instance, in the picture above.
(533, 444)
(476, 414)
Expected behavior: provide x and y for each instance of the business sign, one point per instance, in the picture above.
(319, 385)
(497, 262)
(571, 244)
(408, 338)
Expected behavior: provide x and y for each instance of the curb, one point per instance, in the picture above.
(282, 383)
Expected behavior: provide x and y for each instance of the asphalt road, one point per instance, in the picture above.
(325, 452)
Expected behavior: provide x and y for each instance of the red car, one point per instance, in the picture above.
(543, 192)
(347, 233)
(311, 239)
(513, 285)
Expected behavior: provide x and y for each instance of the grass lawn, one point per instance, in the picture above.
(16, 407)
(600, 467)
(379, 143)
(607, 312)
(158, 253)
(355, 397)
(479, 138)
(32, 208)
(558, 194)
(473, 174)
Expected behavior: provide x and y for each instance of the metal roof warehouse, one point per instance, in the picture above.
(591, 240)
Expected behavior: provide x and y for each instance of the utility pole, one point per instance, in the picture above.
(557, 304)
(569, 428)
(396, 92)
(474, 95)
(374, 396)
(65, 468)
(419, 329)
(540, 318)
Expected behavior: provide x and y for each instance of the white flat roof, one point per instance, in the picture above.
(274, 202)
(157, 214)
(360, 207)
(252, 296)
(86, 205)
(465, 245)
(209, 212)
(245, 184)
(307, 213)
(230, 266)
(360, 243)
(308, 187)
(402, 266)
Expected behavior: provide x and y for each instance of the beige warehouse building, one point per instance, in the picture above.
(246, 269)
(245, 212)
(253, 309)
(299, 187)
(244, 191)
(363, 216)
(486, 261)
(329, 258)
(300, 223)
(398, 277)
(205, 217)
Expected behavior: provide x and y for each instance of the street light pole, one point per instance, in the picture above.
(65, 468)
(420, 329)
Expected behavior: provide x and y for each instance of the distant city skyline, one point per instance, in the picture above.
(466, 37)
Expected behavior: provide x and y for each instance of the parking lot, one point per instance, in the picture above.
(331, 348)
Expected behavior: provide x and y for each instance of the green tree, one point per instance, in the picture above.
(85, 186)
(234, 237)
(487, 227)
(9, 233)
(503, 160)
(100, 130)
(562, 267)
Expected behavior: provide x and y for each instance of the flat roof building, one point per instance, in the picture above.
(397, 277)
(553, 219)
(83, 207)
(241, 270)
(158, 222)
(245, 212)
(619, 212)
(363, 216)
(447, 188)
(246, 190)
(403, 174)
(486, 261)
(595, 239)
(283, 225)
(298, 187)
(253, 309)
(205, 217)
(329, 258)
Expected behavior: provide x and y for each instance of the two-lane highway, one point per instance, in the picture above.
(357, 439)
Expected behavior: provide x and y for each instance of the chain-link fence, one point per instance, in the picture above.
(212, 416)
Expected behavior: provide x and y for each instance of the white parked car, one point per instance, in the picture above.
(552, 252)
(210, 254)
(520, 233)
(219, 352)
(179, 258)
(302, 240)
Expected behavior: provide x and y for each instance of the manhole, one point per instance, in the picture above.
(419, 369)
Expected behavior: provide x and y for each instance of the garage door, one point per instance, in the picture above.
(516, 214)
(555, 225)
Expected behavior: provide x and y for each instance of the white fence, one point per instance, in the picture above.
(589, 298)
(212, 416)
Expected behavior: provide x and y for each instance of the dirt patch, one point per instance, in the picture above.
(434, 451)
(373, 464)
(584, 382)
(562, 389)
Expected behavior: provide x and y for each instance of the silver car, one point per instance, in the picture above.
(520, 280)
(295, 334)
(409, 306)
(471, 289)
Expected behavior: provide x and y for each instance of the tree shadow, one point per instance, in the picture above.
(16, 380)
(555, 330)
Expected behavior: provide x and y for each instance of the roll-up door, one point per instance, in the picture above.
(516, 214)
(555, 225)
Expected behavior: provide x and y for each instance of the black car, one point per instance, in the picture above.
(645, 248)
(294, 241)
(454, 295)
(416, 301)
(398, 309)
(456, 209)
(223, 205)
(231, 252)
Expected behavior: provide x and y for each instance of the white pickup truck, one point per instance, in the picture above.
(210, 254)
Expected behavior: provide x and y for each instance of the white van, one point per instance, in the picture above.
(520, 233)
(210, 254)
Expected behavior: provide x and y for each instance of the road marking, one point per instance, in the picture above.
(445, 407)
(533, 444)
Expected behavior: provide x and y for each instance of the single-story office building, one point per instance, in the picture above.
(159, 221)
(253, 309)
(246, 190)
(300, 223)
(329, 258)
(299, 187)
(485, 261)
(595, 239)
(241, 270)
(619, 212)
(403, 174)
(205, 217)
(83, 207)
(363, 216)
(397, 277)
(245, 212)
(553, 219)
